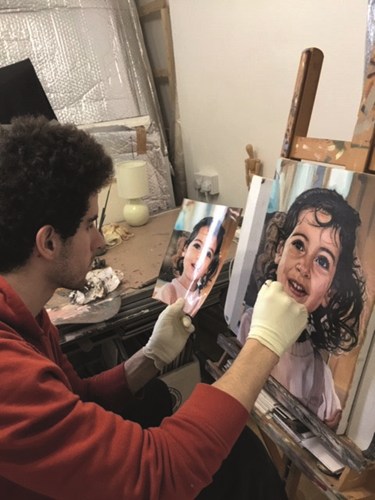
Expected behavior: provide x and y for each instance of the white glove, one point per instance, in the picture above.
(277, 319)
(169, 336)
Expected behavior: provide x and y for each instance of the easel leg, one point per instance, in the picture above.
(292, 481)
(287, 471)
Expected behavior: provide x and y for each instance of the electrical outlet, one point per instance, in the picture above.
(212, 182)
(198, 181)
(206, 183)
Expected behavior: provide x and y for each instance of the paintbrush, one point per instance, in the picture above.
(102, 215)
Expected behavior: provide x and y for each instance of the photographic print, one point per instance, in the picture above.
(196, 252)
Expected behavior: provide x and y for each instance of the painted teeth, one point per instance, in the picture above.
(297, 287)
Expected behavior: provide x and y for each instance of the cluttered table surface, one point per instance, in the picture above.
(140, 256)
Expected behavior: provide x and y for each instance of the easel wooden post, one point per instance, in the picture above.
(357, 155)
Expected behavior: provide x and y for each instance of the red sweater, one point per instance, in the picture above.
(59, 438)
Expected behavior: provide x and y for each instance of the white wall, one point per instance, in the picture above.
(236, 64)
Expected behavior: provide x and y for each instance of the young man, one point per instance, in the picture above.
(62, 437)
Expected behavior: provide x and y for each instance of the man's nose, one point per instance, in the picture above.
(98, 241)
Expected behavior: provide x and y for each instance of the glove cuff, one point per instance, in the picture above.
(267, 338)
(159, 364)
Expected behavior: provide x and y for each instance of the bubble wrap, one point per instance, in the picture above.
(120, 141)
(81, 56)
(90, 58)
(370, 35)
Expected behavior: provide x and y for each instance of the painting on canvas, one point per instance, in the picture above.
(318, 241)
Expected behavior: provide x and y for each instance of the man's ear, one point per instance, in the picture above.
(47, 242)
(279, 252)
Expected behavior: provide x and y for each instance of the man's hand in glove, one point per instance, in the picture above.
(277, 319)
(169, 336)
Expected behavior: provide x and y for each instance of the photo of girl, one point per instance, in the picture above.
(194, 258)
(311, 250)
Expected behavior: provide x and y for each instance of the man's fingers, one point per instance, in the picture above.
(186, 321)
(177, 310)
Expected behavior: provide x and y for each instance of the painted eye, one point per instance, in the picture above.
(196, 246)
(323, 262)
(298, 245)
(209, 255)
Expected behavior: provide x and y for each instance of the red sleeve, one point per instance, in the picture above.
(54, 444)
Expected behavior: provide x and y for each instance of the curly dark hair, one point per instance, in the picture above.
(48, 171)
(219, 232)
(335, 327)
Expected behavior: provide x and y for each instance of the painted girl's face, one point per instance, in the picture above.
(307, 260)
(199, 255)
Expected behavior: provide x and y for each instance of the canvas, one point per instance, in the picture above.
(317, 238)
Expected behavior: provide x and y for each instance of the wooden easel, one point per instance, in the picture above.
(357, 480)
(357, 155)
